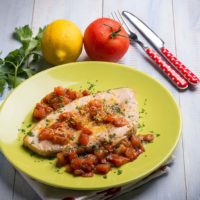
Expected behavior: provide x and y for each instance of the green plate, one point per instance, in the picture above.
(158, 113)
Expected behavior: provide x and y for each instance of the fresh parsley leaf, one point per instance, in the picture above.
(23, 34)
(17, 65)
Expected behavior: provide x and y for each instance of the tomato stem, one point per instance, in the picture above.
(113, 33)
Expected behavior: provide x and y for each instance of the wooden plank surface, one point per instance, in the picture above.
(178, 23)
(12, 14)
(187, 33)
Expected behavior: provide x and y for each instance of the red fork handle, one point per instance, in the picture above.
(175, 78)
(190, 76)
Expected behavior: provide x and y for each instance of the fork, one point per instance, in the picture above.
(168, 71)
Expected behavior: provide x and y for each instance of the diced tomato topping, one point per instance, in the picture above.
(59, 139)
(103, 168)
(74, 123)
(49, 134)
(60, 91)
(94, 107)
(109, 119)
(46, 134)
(83, 139)
(48, 98)
(86, 131)
(59, 101)
(61, 159)
(57, 125)
(100, 153)
(78, 172)
(85, 93)
(91, 159)
(88, 174)
(65, 116)
(119, 122)
(77, 163)
(117, 160)
(148, 138)
(131, 153)
(136, 143)
(71, 94)
(41, 110)
(72, 155)
(121, 149)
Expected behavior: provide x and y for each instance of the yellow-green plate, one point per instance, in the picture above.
(158, 113)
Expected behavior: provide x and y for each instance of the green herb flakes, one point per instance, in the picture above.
(105, 176)
(119, 172)
(30, 134)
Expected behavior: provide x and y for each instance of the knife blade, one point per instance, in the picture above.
(158, 44)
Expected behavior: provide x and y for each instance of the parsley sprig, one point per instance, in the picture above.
(20, 63)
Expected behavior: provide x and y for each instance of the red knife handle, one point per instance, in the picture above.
(190, 76)
(176, 79)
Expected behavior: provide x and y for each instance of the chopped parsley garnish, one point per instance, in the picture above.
(105, 176)
(91, 86)
(111, 136)
(119, 171)
(142, 110)
(23, 130)
(29, 125)
(30, 133)
(141, 125)
(157, 135)
(68, 149)
(115, 107)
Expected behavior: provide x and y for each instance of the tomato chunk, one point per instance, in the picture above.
(61, 159)
(85, 93)
(100, 154)
(117, 160)
(41, 110)
(77, 163)
(83, 139)
(94, 107)
(136, 143)
(103, 168)
(72, 94)
(60, 91)
(148, 138)
(59, 139)
(46, 134)
(131, 153)
(119, 122)
(50, 135)
(86, 131)
(65, 116)
(109, 119)
(72, 155)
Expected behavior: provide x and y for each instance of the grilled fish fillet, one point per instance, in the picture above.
(123, 97)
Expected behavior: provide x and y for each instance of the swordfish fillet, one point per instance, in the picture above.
(120, 103)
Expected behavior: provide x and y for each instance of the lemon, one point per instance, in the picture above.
(61, 42)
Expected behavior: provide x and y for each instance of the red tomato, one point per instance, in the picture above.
(103, 168)
(83, 139)
(61, 160)
(106, 40)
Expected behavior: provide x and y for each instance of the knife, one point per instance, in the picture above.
(158, 43)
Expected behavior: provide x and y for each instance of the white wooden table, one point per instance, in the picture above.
(178, 23)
